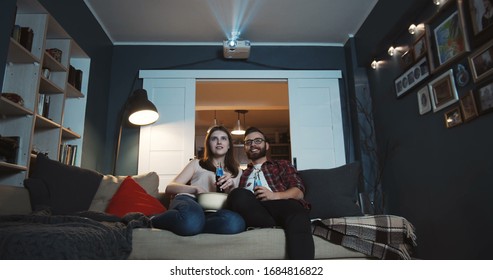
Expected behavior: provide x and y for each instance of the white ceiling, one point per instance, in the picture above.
(209, 22)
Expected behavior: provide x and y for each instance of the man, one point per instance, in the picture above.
(270, 194)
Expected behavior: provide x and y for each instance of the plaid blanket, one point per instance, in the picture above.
(380, 236)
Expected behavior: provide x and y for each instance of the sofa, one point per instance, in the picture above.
(60, 196)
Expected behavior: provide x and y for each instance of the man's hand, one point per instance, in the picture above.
(263, 193)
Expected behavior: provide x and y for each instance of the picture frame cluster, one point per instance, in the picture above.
(452, 60)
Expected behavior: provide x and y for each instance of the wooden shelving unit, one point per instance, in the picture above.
(63, 123)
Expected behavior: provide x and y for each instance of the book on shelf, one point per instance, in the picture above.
(71, 75)
(78, 79)
(43, 105)
(26, 38)
(68, 154)
(75, 77)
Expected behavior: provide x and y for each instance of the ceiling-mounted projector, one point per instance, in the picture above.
(236, 49)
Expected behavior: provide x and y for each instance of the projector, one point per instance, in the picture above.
(236, 49)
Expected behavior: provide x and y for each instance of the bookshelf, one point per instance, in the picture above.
(50, 118)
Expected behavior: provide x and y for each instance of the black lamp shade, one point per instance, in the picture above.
(141, 111)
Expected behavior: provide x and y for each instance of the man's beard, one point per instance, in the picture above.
(254, 156)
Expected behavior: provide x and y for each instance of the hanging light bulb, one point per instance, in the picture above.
(214, 124)
(238, 129)
(436, 2)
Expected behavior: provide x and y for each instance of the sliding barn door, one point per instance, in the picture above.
(167, 145)
(317, 138)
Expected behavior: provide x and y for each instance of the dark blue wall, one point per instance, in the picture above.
(129, 59)
(79, 22)
(438, 178)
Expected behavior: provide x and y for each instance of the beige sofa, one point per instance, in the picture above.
(155, 244)
(149, 243)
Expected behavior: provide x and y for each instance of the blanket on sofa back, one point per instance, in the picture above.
(380, 236)
(82, 236)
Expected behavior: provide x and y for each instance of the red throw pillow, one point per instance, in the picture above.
(131, 197)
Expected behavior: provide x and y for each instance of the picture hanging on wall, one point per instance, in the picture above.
(442, 91)
(484, 97)
(424, 102)
(453, 117)
(468, 106)
(481, 16)
(462, 76)
(447, 36)
(481, 62)
(407, 59)
(412, 77)
(419, 47)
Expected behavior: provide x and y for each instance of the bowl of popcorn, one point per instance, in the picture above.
(212, 201)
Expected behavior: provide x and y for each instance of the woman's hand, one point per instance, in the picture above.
(199, 190)
(226, 181)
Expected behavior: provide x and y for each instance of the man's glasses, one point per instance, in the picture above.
(256, 141)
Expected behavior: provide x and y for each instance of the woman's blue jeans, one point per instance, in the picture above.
(186, 217)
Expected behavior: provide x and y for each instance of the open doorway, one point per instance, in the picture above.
(266, 103)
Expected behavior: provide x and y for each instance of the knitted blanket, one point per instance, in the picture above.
(379, 236)
(82, 236)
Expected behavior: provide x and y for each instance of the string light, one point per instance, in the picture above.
(412, 29)
(374, 64)
(391, 51)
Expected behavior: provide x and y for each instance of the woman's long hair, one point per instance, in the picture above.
(230, 163)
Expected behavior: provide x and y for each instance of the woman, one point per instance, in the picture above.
(185, 216)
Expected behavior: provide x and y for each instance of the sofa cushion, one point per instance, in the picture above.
(131, 197)
(110, 184)
(14, 200)
(333, 192)
(62, 188)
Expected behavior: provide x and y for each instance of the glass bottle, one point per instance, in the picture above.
(219, 173)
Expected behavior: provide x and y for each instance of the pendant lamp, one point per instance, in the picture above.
(238, 129)
(214, 124)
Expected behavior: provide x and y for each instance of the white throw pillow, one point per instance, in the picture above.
(110, 184)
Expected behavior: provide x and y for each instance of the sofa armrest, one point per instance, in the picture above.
(14, 200)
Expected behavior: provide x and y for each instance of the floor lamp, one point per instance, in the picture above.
(140, 112)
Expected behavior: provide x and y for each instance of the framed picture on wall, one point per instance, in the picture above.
(453, 117)
(447, 36)
(481, 62)
(412, 77)
(462, 74)
(442, 91)
(468, 106)
(419, 47)
(407, 59)
(484, 97)
(424, 102)
(481, 17)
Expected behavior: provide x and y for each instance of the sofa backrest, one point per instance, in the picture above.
(14, 201)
